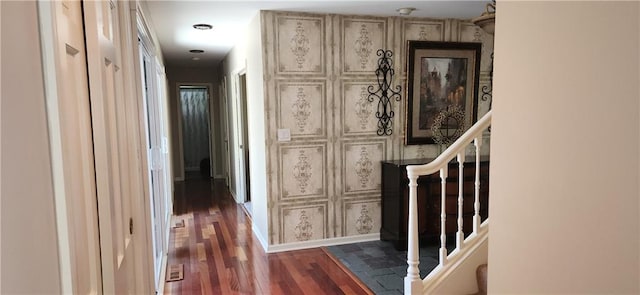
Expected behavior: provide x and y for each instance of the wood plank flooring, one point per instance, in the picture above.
(220, 256)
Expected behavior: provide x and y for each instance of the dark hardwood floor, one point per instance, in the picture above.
(219, 254)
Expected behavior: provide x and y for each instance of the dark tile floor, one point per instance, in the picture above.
(380, 266)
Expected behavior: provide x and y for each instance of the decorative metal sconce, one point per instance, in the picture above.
(384, 94)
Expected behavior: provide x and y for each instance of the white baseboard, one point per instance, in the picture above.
(163, 274)
(322, 243)
(261, 239)
(165, 256)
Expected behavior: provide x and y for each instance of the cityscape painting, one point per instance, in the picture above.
(442, 89)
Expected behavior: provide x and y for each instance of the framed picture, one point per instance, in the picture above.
(442, 90)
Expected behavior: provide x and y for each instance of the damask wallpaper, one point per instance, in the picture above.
(325, 182)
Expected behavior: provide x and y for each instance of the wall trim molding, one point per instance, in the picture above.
(322, 243)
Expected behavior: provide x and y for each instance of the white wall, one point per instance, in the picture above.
(565, 148)
(29, 240)
(257, 129)
(248, 53)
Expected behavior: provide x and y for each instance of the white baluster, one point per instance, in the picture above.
(476, 205)
(413, 282)
(443, 215)
(460, 234)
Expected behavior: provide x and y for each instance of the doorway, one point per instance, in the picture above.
(195, 124)
(245, 136)
(242, 134)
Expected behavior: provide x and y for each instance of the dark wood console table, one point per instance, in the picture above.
(395, 200)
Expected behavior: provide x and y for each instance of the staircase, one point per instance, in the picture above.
(452, 273)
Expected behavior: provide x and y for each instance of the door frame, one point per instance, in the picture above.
(226, 137)
(210, 120)
(240, 124)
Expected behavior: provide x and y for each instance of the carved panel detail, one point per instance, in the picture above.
(361, 38)
(303, 172)
(363, 122)
(361, 217)
(301, 223)
(363, 46)
(423, 30)
(301, 108)
(361, 170)
(299, 44)
(364, 167)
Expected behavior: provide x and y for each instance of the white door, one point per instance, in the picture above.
(111, 145)
(72, 146)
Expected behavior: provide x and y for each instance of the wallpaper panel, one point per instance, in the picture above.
(361, 216)
(357, 113)
(303, 222)
(361, 38)
(299, 44)
(301, 107)
(361, 166)
(303, 170)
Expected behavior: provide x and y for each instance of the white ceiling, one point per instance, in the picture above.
(173, 21)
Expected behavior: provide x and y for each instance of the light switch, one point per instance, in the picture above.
(284, 134)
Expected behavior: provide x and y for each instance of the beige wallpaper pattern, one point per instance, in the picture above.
(326, 182)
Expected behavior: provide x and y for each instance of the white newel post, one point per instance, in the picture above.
(413, 282)
(460, 234)
(476, 205)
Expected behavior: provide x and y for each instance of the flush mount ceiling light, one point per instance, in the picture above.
(202, 26)
(405, 10)
(196, 51)
(195, 58)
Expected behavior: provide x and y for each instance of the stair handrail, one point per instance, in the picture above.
(452, 151)
(413, 282)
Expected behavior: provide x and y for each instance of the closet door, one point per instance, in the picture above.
(111, 145)
(71, 146)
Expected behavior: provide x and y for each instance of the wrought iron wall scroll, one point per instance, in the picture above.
(487, 90)
(385, 93)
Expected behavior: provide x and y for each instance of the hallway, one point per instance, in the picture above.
(217, 249)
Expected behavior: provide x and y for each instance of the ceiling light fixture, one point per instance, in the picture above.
(202, 26)
(196, 51)
(195, 58)
(405, 10)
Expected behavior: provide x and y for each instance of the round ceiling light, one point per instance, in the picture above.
(195, 58)
(405, 10)
(196, 51)
(202, 26)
